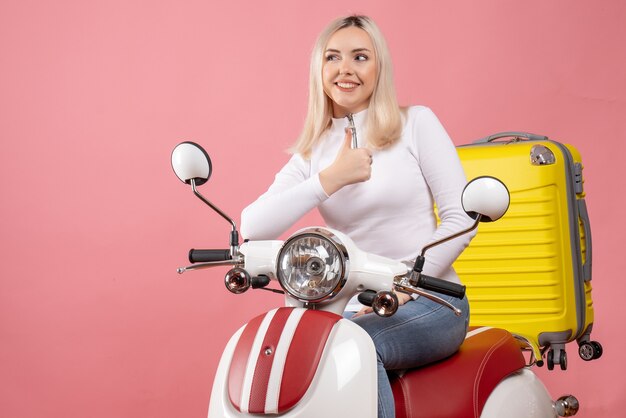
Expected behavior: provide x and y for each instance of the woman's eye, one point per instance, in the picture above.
(361, 57)
(332, 57)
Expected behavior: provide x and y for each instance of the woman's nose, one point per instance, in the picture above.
(345, 67)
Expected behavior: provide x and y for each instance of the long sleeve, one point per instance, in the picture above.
(294, 193)
(444, 175)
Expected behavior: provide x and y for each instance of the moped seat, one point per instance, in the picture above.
(459, 385)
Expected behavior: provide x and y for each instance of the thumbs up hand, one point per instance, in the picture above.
(350, 166)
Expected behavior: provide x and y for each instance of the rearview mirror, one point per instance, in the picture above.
(191, 162)
(485, 196)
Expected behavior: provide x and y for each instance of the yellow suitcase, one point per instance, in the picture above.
(530, 272)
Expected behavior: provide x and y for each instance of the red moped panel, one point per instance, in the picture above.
(276, 358)
(460, 385)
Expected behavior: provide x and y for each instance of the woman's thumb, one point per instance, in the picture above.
(347, 141)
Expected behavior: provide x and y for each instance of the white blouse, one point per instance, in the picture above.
(391, 214)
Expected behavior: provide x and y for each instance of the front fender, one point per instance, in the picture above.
(343, 383)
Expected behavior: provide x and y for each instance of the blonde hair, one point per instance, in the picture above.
(384, 119)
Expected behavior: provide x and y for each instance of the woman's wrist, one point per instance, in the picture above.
(328, 182)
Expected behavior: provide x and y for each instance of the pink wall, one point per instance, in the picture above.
(94, 320)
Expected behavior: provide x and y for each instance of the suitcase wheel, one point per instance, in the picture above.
(550, 360)
(598, 349)
(590, 350)
(562, 359)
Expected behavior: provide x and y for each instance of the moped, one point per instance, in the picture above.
(306, 360)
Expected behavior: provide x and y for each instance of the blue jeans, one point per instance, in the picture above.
(421, 332)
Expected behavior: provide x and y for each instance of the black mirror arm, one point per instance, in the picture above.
(234, 235)
(419, 261)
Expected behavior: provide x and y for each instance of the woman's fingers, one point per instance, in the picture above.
(364, 310)
(350, 166)
(403, 298)
(347, 140)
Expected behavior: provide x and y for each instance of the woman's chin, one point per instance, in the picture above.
(342, 108)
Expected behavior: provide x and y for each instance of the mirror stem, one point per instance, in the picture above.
(458, 234)
(419, 261)
(234, 235)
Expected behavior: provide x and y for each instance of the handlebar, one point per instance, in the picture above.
(441, 286)
(204, 256)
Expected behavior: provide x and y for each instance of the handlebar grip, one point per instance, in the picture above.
(202, 256)
(367, 297)
(441, 286)
(259, 282)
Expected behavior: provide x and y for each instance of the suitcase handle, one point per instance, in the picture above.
(516, 135)
(584, 217)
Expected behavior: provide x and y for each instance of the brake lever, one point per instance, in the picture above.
(208, 264)
(402, 284)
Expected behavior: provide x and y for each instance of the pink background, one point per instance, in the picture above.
(94, 321)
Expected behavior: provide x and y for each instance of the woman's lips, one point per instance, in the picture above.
(346, 85)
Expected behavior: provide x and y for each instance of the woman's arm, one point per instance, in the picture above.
(294, 193)
(444, 175)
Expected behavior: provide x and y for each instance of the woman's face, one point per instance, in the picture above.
(349, 71)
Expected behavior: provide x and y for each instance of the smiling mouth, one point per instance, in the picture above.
(346, 86)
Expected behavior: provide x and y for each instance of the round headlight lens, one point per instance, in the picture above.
(311, 267)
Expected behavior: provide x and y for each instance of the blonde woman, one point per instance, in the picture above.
(381, 194)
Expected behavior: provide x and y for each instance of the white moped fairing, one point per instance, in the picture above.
(521, 395)
(342, 383)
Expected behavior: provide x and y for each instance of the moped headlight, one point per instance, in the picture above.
(312, 265)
